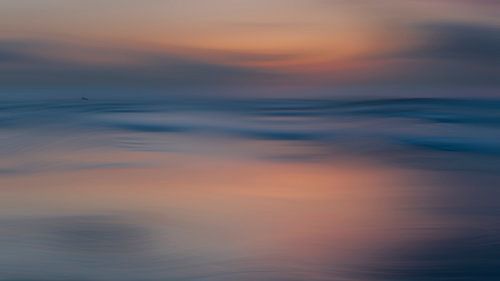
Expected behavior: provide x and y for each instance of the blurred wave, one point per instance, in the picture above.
(419, 132)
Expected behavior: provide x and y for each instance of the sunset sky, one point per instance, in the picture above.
(306, 48)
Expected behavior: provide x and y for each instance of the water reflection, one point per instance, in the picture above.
(250, 190)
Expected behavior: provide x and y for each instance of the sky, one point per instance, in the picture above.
(249, 48)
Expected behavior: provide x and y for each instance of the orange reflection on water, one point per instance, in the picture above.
(234, 207)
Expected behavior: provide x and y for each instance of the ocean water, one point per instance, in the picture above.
(250, 189)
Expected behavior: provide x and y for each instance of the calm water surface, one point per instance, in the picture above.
(271, 190)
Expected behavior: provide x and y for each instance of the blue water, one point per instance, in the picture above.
(437, 220)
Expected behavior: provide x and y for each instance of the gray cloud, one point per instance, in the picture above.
(479, 43)
(20, 52)
(452, 55)
(23, 66)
